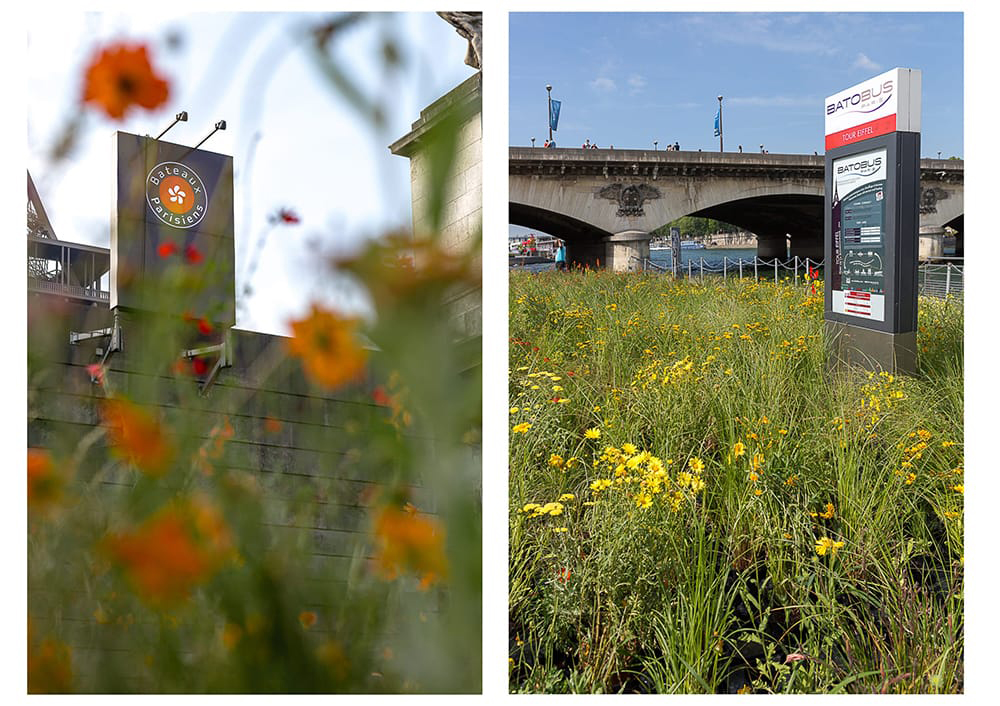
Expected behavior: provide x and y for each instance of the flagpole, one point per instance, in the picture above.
(548, 88)
(720, 124)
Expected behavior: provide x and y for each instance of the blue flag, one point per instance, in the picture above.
(554, 115)
(718, 122)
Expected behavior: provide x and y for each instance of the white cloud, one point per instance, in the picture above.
(863, 62)
(636, 82)
(603, 83)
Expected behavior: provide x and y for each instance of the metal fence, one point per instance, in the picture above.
(940, 277)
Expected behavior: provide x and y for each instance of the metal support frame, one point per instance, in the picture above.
(225, 351)
(114, 336)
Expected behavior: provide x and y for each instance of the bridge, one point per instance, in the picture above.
(605, 203)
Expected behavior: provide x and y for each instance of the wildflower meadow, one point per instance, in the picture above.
(699, 505)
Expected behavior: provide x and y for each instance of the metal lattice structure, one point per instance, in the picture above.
(58, 267)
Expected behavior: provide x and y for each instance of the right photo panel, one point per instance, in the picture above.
(736, 364)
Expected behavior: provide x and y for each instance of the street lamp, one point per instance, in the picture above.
(655, 143)
(720, 122)
(548, 88)
(532, 141)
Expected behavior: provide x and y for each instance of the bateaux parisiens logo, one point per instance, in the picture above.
(176, 194)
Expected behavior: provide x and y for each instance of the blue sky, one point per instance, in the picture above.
(630, 78)
(295, 142)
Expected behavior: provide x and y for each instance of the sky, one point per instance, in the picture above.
(296, 143)
(628, 79)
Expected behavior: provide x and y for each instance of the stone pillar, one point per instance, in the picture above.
(623, 248)
(771, 246)
(931, 242)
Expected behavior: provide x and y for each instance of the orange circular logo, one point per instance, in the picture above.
(176, 194)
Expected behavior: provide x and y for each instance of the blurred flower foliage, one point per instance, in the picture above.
(310, 522)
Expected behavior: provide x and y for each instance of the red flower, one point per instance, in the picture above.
(204, 326)
(193, 255)
(288, 216)
(381, 397)
(96, 371)
(166, 249)
(200, 366)
(563, 574)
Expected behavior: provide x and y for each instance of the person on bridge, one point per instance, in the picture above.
(560, 254)
(677, 146)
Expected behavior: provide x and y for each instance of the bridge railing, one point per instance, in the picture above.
(940, 277)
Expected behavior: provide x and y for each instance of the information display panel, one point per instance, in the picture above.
(858, 218)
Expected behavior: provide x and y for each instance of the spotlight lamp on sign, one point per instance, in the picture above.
(181, 117)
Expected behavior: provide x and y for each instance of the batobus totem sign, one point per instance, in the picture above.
(871, 222)
(173, 217)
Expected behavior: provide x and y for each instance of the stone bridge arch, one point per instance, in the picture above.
(597, 199)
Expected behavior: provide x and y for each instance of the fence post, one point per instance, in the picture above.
(741, 269)
(755, 276)
(947, 280)
(724, 258)
(775, 270)
(701, 269)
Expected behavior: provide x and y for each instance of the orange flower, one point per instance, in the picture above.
(409, 542)
(328, 347)
(119, 77)
(50, 668)
(44, 481)
(173, 551)
(307, 618)
(400, 271)
(138, 437)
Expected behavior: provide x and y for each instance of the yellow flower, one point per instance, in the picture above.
(828, 513)
(959, 489)
(643, 500)
(521, 428)
(629, 449)
(697, 484)
(696, 465)
(514, 410)
(556, 460)
(825, 543)
(566, 496)
(739, 449)
(530, 507)
(592, 433)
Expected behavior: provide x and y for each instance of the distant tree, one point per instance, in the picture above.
(694, 227)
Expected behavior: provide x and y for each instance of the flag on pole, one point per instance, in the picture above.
(554, 115)
(718, 121)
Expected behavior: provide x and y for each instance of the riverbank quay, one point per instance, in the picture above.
(697, 506)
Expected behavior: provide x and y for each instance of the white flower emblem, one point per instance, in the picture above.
(177, 195)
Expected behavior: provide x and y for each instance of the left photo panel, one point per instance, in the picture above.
(254, 353)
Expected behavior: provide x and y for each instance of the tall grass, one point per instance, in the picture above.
(734, 515)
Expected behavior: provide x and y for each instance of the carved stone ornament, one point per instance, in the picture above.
(929, 198)
(630, 198)
(469, 25)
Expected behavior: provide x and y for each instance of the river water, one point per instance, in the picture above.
(713, 258)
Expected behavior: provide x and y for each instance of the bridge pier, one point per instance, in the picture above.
(621, 249)
(771, 246)
(931, 242)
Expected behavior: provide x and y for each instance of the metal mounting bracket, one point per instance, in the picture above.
(225, 351)
(114, 336)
